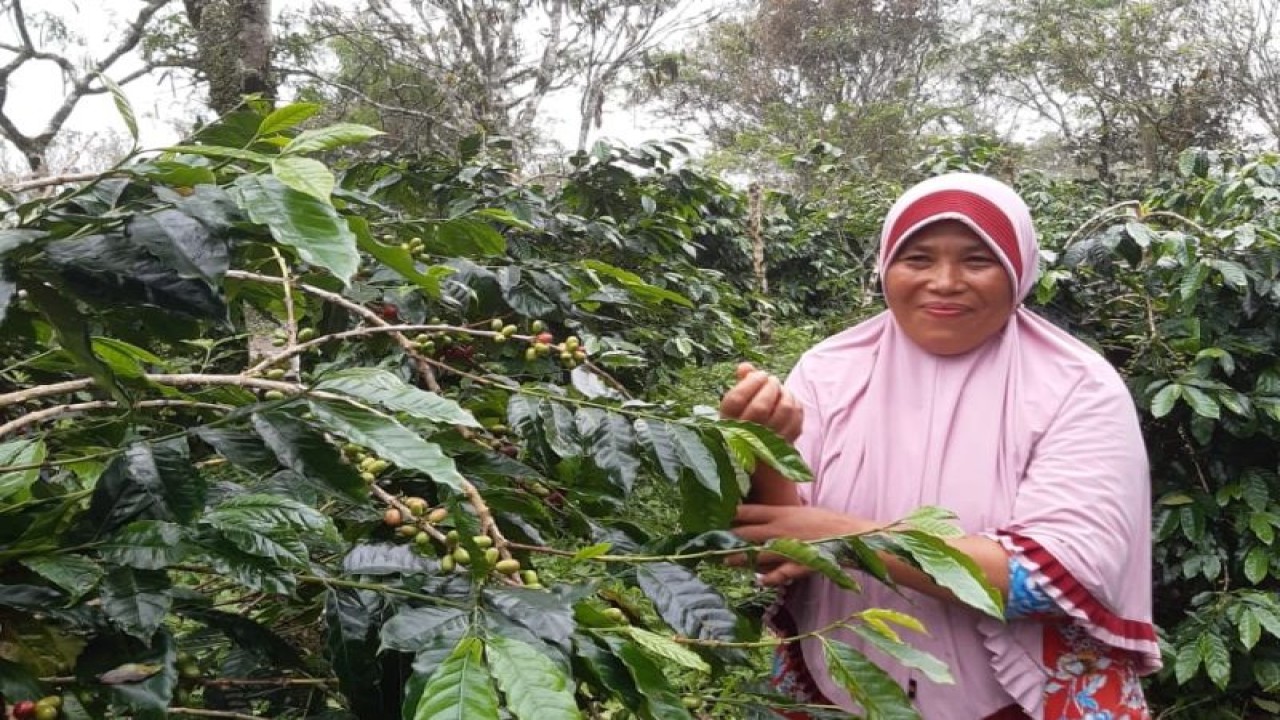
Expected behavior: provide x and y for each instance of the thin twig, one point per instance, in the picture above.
(291, 318)
(52, 180)
(198, 712)
(423, 366)
(39, 416)
(267, 682)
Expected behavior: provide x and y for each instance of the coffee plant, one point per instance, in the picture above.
(1181, 290)
(282, 438)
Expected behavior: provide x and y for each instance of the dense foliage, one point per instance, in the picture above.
(280, 442)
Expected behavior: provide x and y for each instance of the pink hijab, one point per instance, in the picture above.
(1031, 439)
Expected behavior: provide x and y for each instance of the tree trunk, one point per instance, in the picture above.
(234, 40)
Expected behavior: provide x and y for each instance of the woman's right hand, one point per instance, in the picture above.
(760, 398)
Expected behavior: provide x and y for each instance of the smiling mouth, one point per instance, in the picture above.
(944, 310)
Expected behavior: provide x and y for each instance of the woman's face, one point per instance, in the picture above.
(947, 289)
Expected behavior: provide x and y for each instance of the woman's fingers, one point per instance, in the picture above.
(759, 397)
(784, 574)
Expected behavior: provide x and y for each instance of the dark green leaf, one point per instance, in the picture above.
(687, 603)
(657, 438)
(635, 285)
(136, 601)
(460, 689)
(150, 482)
(74, 573)
(534, 687)
(382, 388)
(1187, 662)
(1250, 629)
(412, 629)
(547, 615)
(243, 448)
(184, 244)
(465, 237)
(146, 545)
(1257, 563)
(1217, 659)
(17, 684)
(301, 221)
(269, 513)
(72, 332)
(149, 698)
(661, 646)
(305, 451)
(767, 446)
(385, 559)
(1200, 402)
(612, 445)
(115, 270)
(389, 439)
(815, 557)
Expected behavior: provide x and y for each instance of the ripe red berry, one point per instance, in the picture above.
(389, 312)
(545, 337)
(24, 710)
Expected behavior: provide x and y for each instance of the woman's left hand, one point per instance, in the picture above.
(761, 523)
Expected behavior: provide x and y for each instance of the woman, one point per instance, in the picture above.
(958, 397)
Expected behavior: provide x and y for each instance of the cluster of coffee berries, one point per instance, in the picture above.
(453, 556)
(369, 465)
(570, 353)
(279, 336)
(46, 708)
(414, 246)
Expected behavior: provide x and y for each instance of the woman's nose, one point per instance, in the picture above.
(946, 277)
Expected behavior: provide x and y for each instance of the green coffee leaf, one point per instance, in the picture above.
(815, 558)
(382, 388)
(389, 439)
(305, 175)
(534, 687)
(951, 569)
(872, 687)
(460, 688)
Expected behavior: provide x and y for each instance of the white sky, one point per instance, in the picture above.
(162, 105)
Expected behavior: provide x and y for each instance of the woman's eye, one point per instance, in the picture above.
(980, 260)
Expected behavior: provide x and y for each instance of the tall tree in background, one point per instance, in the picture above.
(40, 37)
(857, 73)
(1120, 82)
(1247, 38)
(432, 71)
(234, 41)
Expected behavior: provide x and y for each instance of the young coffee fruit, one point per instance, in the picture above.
(392, 517)
(438, 515)
(306, 334)
(416, 505)
(447, 564)
(491, 556)
(496, 325)
(483, 541)
(275, 373)
(273, 395)
(461, 556)
(507, 567)
(615, 614)
(530, 577)
(407, 531)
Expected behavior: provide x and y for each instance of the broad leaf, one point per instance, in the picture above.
(1162, 404)
(389, 439)
(687, 603)
(146, 545)
(872, 687)
(76, 574)
(909, 656)
(412, 629)
(636, 285)
(301, 221)
(149, 482)
(612, 445)
(663, 647)
(1217, 659)
(768, 447)
(534, 687)
(460, 689)
(951, 569)
(122, 106)
(651, 682)
(287, 117)
(304, 450)
(15, 453)
(72, 330)
(547, 615)
(814, 557)
(328, 138)
(136, 601)
(269, 513)
(379, 387)
(305, 175)
(184, 244)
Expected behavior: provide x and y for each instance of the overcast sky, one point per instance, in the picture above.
(161, 105)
